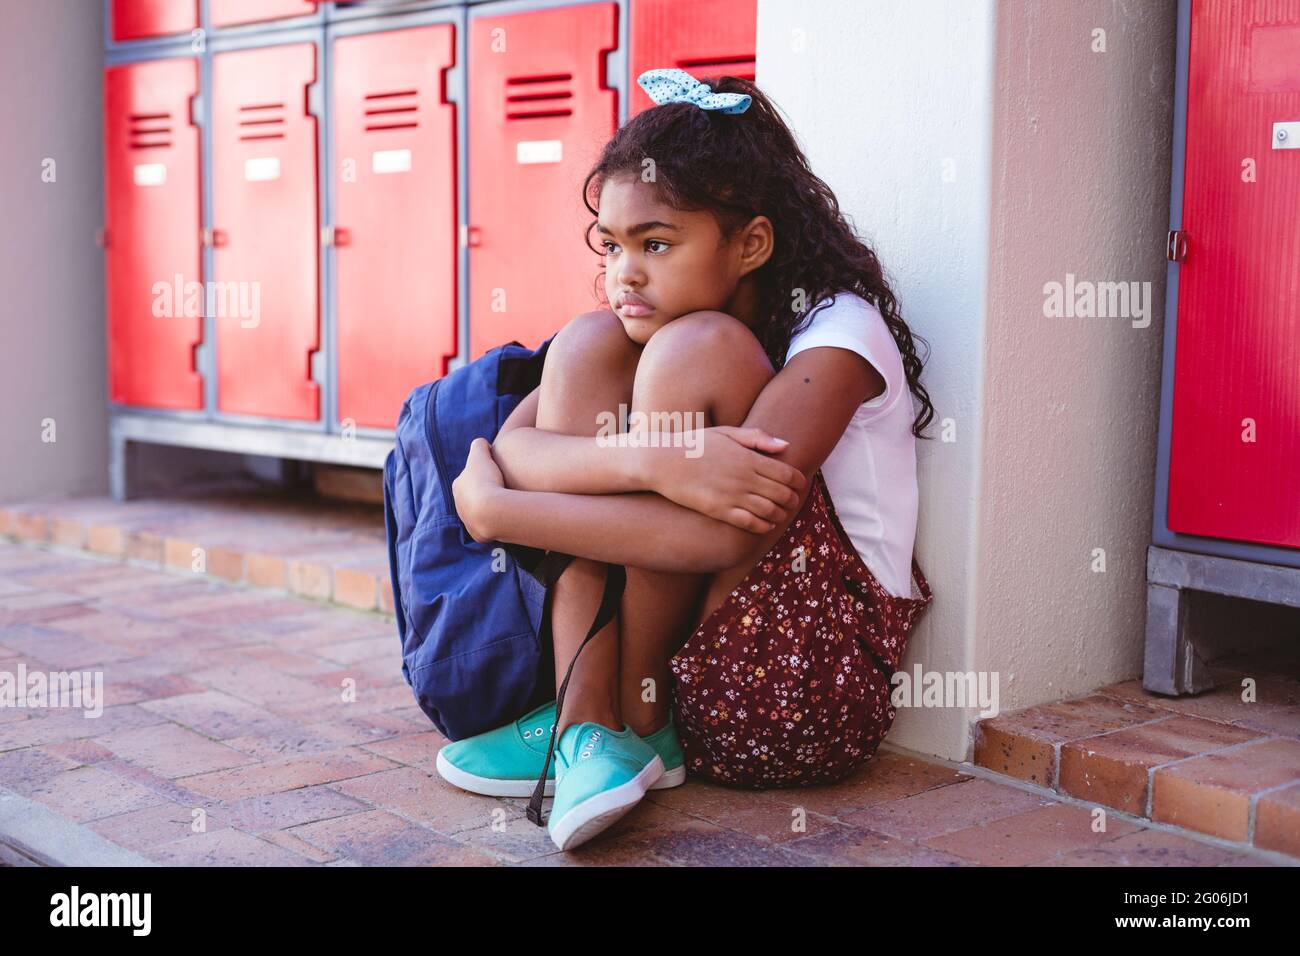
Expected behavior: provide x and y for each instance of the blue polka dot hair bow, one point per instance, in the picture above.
(678, 86)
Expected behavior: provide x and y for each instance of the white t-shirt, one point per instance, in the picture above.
(871, 471)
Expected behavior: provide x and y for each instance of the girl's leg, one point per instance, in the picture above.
(589, 369)
(681, 370)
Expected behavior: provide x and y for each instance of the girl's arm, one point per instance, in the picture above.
(649, 531)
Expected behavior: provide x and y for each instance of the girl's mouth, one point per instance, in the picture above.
(633, 306)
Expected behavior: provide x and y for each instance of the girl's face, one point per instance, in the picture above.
(661, 263)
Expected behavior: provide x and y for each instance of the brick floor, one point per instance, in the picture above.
(1225, 762)
(307, 546)
(225, 739)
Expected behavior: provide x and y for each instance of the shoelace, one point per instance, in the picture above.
(615, 581)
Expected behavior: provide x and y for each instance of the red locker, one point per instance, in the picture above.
(541, 110)
(140, 19)
(1237, 349)
(395, 183)
(229, 13)
(152, 207)
(264, 193)
(702, 37)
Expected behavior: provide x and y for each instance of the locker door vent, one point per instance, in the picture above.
(259, 121)
(534, 97)
(396, 109)
(149, 130)
(741, 66)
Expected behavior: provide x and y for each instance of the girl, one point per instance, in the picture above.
(769, 581)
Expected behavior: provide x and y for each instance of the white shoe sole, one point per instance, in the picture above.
(598, 812)
(493, 787)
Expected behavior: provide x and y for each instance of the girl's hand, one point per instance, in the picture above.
(723, 472)
(474, 489)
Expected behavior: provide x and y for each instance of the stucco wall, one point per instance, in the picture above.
(1081, 165)
(51, 272)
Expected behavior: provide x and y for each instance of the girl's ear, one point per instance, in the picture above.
(757, 243)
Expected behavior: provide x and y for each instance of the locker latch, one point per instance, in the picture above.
(335, 236)
(215, 237)
(1176, 246)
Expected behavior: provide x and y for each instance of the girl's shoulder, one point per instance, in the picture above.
(847, 320)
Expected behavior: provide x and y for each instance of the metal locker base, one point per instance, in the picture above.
(126, 429)
(1174, 663)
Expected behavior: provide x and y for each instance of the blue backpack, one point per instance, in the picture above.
(473, 617)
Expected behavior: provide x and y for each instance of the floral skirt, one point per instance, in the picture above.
(787, 682)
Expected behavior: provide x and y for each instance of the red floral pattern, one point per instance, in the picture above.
(786, 683)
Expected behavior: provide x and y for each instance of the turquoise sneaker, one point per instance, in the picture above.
(600, 774)
(506, 762)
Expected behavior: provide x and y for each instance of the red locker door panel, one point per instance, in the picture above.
(1237, 355)
(151, 158)
(702, 37)
(229, 13)
(138, 19)
(395, 182)
(540, 113)
(264, 208)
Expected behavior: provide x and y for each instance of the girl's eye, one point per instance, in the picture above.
(609, 247)
(656, 242)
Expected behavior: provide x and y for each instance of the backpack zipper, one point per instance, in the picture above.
(431, 434)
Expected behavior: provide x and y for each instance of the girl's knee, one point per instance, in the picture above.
(592, 341)
(701, 359)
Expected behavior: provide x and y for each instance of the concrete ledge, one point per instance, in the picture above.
(33, 831)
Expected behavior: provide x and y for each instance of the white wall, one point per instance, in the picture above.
(52, 334)
(881, 95)
(984, 150)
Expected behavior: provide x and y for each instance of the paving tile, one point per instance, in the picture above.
(1147, 848)
(1029, 836)
(31, 765)
(172, 751)
(88, 793)
(224, 847)
(53, 726)
(414, 750)
(1277, 820)
(279, 811)
(1024, 744)
(1213, 794)
(1223, 702)
(1114, 769)
(277, 776)
(163, 823)
(214, 714)
(376, 838)
(430, 800)
(945, 809)
(286, 840)
(840, 845)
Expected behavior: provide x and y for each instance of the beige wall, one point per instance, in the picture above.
(1081, 169)
(51, 272)
(985, 150)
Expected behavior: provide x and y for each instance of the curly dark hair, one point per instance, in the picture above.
(742, 165)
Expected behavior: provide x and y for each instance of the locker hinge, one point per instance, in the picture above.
(101, 237)
(471, 236)
(315, 96)
(1176, 246)
(213, 238)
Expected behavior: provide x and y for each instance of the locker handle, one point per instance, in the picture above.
(335, 236)
(1176, 246)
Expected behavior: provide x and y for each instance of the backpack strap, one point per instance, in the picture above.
(610, 598)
